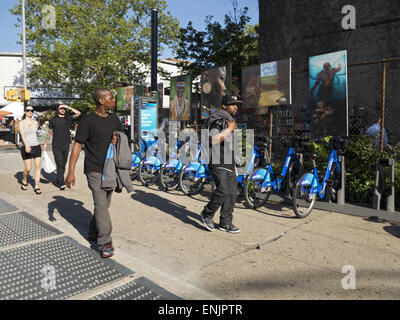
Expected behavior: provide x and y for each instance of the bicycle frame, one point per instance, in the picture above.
(316, 187)
(154, 161)
(199, 167)
(241, 179)
(177, 164)
(267, 173)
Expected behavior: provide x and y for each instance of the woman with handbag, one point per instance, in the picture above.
(30, 149)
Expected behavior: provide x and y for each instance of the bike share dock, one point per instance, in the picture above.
(373, 212)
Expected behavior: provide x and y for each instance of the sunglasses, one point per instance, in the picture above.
(29, 110)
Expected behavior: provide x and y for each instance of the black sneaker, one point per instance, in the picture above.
(229, 228)
(208, 222)
(107, 250)
(63, 187)
(91, 238)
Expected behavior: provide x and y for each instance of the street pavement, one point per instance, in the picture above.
(161, 237)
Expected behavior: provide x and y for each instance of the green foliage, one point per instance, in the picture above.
(360, 163)
(236, 42)
(95, 43)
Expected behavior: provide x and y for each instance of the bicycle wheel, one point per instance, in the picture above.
(134, 173)
(187, 184)
(334, 184)
(303, 200)
(292, 176)
(252, 194)
(168, 178)
(148, 175)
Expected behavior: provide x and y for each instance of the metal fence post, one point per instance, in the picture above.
(383, 106)
(376, 203)
(342, 191)
(390, 197)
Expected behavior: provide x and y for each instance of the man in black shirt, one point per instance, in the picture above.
(222, 166)
(95, 131)
(59, 128)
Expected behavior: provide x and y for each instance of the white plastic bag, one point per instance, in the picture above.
(47, 165)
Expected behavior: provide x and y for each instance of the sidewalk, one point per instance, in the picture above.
(160, 237)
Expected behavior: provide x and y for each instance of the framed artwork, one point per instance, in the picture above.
(329, 94)
(215, 83)
(275, 84)
(180, 98)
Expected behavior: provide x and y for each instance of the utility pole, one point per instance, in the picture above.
(24, 46)
(154, 44)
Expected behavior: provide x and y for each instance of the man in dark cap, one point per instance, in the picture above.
(222, 166)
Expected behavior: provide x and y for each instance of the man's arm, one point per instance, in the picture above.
(76, 150)
(338, 68)
(48, 135)
(218, 138)
(76, 113)
(315, 85)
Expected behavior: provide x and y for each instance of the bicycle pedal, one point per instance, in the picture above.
(265, 189)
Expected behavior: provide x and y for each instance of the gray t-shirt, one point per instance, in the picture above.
(31, 134)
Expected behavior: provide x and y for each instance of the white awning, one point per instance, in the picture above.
(16, 109)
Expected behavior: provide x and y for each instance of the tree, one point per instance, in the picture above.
(94, 43)
(236, 43)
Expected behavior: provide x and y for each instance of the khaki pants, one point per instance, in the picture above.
(100, 225)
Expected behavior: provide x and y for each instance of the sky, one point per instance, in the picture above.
(184, 10)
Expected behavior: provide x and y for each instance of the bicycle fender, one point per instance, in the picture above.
(258, 174)
(308, 179)
(192, 167)
(171, 164)
(151, 161)
(136, 160)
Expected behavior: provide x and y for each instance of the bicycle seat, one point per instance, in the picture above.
(339, 143)
(264, 141)
(309, 155)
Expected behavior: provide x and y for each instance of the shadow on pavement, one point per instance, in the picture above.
(169, 207)
(393, 229)
(50, 178)
(72, 211)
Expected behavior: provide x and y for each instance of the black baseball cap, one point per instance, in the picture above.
(228, 100)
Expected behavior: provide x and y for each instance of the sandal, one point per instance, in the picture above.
(37, 191)
(24, 186)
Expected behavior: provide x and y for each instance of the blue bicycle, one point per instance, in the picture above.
(308, 187)
(169, 172)
(137, 157)
(193, 176)
(261, 182)
(149, 167)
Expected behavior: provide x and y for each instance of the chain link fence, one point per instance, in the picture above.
(373, 93)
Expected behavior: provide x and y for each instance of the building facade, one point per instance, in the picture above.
(300, 29)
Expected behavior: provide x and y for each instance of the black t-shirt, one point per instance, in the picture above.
(95, 132)
(61, 133)
(216, 127)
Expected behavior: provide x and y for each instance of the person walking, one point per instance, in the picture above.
(30, 149)
(59, 128)
(96, 131)
(223, 169)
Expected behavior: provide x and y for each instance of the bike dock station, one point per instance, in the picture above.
(374, 211)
